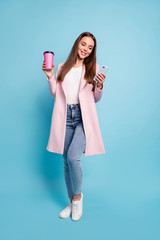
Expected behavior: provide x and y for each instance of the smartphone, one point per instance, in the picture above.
(103, 69)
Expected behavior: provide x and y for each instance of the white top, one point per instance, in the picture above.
(73, 78)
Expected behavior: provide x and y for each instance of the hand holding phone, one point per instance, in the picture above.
(102, 69)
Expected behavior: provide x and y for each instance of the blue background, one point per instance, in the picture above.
(122, 187)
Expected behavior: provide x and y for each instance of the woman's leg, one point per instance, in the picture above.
(68, 139)
(74, 154)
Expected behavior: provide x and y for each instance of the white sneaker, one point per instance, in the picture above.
(65, 213)
(77, 209)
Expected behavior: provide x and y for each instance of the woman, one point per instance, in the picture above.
(75, 128)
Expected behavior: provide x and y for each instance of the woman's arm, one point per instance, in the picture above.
(98, 91)
(53, 82)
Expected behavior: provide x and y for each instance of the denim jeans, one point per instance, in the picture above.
(74, 147)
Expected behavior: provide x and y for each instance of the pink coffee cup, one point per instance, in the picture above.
(48, 58)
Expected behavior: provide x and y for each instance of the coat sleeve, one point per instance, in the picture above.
(97, 93)
(53, 82)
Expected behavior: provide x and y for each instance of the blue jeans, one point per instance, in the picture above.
(74, 147)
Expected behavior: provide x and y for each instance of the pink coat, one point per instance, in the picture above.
(87, 99)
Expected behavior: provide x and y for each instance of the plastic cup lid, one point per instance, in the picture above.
(48, 52)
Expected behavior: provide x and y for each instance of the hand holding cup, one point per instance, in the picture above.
(48, 66)
(48, 72)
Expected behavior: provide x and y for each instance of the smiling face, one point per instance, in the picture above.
(85, 47)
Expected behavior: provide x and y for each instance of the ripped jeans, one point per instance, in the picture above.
(74, 147)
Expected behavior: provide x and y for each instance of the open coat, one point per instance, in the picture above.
(87, 99)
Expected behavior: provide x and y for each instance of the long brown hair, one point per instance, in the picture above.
(89, 62)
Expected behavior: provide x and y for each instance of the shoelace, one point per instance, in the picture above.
(69, 205)
(75, 208)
